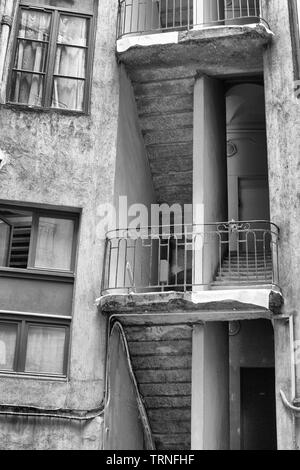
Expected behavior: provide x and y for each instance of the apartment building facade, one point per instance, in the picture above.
(149, 207)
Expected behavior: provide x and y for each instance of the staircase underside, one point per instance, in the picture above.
(161, 357)
(165, 108)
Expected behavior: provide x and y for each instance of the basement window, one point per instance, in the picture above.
(34, 347)
(37, 239)
(52, 57)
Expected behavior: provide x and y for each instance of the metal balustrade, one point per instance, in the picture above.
(214, 256)
(153, 16)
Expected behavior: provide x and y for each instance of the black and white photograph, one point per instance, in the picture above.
(149, 228)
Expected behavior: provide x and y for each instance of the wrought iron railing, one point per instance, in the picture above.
(150, 16)
(212, 256)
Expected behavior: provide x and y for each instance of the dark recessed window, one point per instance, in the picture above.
(52, 55)
(34, 347)
(37, 239)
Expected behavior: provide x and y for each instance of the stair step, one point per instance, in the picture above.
(243, 274)
(180, 441)
(234, 282)
(251, 269)
(240, 286)
(162, 358)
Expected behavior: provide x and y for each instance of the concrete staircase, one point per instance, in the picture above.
(161, 357)
(241, 270)
(165, 108)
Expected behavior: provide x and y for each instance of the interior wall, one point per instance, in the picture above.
(133, 177)
(251, 347)
(246, 135)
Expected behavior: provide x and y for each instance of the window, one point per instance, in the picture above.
(37, 239)
(52, 55)
(33, 347)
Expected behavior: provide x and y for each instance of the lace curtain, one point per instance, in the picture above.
(8, 339)
(70, 61)
(54, 244)
(45, 350)
(32, 56)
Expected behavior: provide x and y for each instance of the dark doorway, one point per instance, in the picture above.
(258, 409)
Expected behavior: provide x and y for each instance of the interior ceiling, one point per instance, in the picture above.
(245, 106)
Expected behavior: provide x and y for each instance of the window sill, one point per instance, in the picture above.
(42, 378)
(37, 274)
(37, 109)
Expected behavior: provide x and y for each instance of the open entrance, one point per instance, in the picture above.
(247, 166)
(258, 424)
(252, 386)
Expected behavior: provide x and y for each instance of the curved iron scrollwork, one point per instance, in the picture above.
(234, 227)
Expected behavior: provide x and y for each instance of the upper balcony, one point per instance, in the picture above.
(234, 255)
(153, 32)
(159, 16)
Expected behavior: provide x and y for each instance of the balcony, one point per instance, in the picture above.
(157, 16)
(234, 255)
(218, 37)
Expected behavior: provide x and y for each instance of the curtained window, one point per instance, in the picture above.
(54, 244)
(34, 347)
(45, 350)
(37, 239)
(8, 341)
(52, 55)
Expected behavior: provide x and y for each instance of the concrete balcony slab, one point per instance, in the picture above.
(218, 50)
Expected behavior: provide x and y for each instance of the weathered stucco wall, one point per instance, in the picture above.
(283, 132)
(123, 425)
(68, 160)
(133, 176)
(18, 433)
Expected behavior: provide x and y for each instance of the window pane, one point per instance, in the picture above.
(34, 25)
(27, 88)
(4, 242)
(45, 350)
(54, 244)
(8, 341)
(31, 56)
(70, 61)
(68, 94)
(78, 5)
(72, 30)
